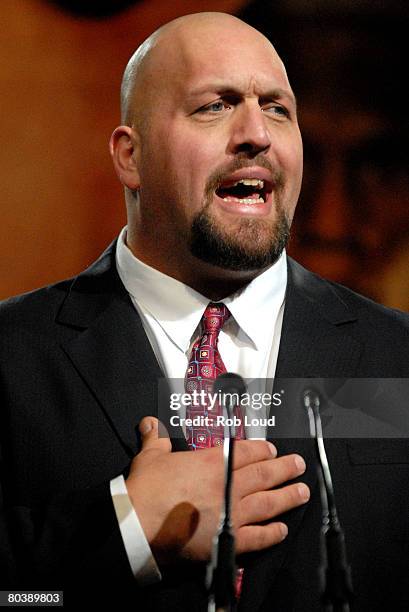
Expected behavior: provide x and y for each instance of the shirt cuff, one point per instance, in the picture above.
(140, 557)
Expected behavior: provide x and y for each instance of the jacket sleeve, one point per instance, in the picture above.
(73, 540)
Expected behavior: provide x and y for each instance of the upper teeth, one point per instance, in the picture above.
(252, 182)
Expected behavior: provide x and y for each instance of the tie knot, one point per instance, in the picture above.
(214, 317)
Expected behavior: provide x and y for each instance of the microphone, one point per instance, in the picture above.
(230, 383)
(335, 578)
(221, 571)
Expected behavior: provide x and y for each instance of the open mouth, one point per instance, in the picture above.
(245, 191)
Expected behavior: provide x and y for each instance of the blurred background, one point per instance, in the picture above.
(60, 72)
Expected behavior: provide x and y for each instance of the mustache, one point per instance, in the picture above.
(217, 177)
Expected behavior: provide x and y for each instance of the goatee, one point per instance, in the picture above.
(255, 245)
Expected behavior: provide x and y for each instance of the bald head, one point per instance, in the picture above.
(207, 106)
(171, 47)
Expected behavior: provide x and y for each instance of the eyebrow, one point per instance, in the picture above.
(222, 89)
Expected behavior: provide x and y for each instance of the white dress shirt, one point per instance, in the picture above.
(171, 313)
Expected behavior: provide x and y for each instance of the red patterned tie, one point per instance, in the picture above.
(204, 367)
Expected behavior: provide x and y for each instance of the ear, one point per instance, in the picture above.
(122, 146)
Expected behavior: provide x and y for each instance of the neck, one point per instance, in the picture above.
(216, 283)
(211, 281)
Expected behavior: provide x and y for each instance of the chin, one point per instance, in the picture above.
(250, 244)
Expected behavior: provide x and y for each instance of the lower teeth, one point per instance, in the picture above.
(244, 200)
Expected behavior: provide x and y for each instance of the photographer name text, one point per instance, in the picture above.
(220, 420)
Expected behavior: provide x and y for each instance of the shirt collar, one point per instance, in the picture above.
(260, 301)
(180, 313)
(176, 307)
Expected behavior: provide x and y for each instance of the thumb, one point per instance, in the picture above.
(154, 435)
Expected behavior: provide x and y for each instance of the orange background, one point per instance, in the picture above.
(59, 80)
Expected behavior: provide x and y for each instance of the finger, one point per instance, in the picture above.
(257, 537)
(251, 451)
(154, 435)
(265, 475)
(265, 505)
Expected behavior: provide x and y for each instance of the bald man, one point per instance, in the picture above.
(93, 500)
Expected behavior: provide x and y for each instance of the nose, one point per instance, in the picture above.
(249, 133)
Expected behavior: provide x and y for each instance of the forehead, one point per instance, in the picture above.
(237, 58)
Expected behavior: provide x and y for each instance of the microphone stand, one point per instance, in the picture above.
(222, 570)
(335, 578)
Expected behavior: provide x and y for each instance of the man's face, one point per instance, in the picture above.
(220, 161)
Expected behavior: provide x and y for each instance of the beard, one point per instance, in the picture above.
(253, 245)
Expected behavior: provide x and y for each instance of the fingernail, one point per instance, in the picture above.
(284, 530)
(300, 463)
(303, 492)
(145, 426)
(272, 448)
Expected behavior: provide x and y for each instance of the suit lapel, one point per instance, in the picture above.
(317, 341)
(318, 330)
(112, 353)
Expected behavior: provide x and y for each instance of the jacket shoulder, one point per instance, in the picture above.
(40, 308)
(26, 309)
(327, 294)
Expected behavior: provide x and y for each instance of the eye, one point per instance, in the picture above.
(276, 109)
(214, 107)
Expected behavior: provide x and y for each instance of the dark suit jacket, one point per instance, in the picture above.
(78, 374)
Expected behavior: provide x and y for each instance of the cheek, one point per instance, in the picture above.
(295, 153)
(196, 150)
(291, 161)
(289, 151)
(194, 162)
(296, 166)
(160, 169)
(292, 165)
